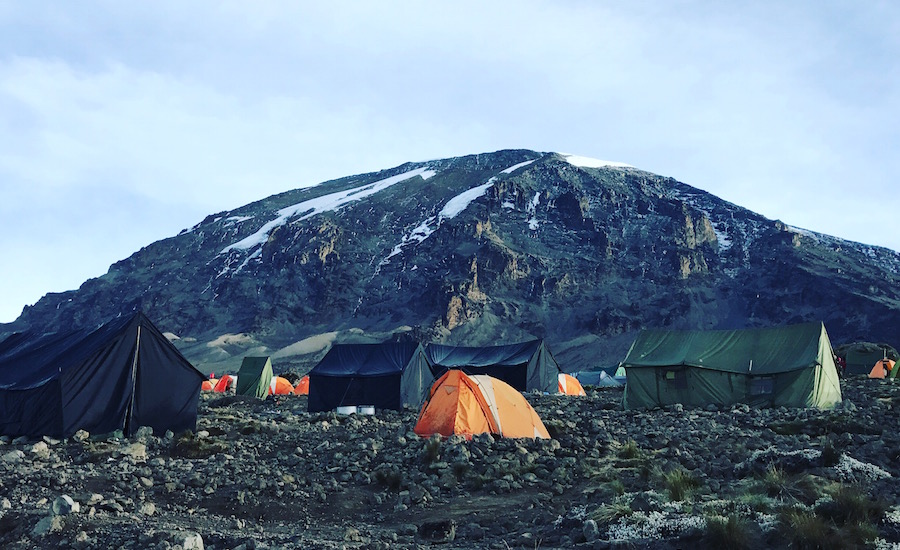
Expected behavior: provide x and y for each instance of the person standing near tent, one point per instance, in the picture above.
(841, 365)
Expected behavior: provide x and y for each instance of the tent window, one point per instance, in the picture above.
(762, 385)
(676, 379)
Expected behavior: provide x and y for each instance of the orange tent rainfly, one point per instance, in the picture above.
(882, 368)
(227, 381)
(208, 385)
(302, 387)
(280, 386)
(569, 385)
(472, 404)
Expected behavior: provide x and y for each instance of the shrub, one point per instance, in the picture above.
(630, 450)
(187, 445)
(804, 529)
(831, 455)
(850, 505)
(609, 513)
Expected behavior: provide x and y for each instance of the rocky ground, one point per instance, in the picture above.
(267, 474)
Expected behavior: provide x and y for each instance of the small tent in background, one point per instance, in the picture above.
(569, 385)
(280, 386)
(386, 376)
(254, 377)
(302, 387)
(789, 366)
(225, 383)
(120, 376)
(860, 356)
(525, 366)
(600, 378)
(472, 404)
(882, 369)
(208, 385)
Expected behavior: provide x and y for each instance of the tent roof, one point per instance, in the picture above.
(756, 351)
(31, 359)
(366, 359)
(462, 356)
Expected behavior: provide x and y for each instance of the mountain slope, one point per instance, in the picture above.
(485, 248)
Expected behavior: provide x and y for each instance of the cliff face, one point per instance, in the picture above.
(483, 249)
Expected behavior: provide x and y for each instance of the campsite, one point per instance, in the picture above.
(269, 474)
(400, 445)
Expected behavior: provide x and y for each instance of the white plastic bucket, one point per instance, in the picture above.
(348, 409)
(366, 409)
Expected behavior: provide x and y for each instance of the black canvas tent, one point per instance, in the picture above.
(386, 376)
(120, 376)
(790, 366)
(525, 366)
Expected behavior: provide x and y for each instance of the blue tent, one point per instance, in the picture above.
(387, 376)
(120, 376)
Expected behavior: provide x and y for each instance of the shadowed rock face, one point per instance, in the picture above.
(584, 257)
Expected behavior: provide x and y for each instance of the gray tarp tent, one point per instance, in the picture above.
(525, 366)
(387, 376)
(789, 366)
(120, 376)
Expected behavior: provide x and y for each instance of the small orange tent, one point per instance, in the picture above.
(208, 385)
(302, 386)
(569, 385)
(280, 386)
(471, 404)
(882, 368)
(227, 381)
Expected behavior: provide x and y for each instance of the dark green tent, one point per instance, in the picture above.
(254, 377)
(525, 366)
(789, 366)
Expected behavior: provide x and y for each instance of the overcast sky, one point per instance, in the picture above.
(122, 123)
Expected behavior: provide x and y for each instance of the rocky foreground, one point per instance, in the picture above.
(267, 474)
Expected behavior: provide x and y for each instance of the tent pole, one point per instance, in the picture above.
(134, 364)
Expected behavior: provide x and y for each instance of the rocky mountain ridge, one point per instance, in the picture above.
(481, 249)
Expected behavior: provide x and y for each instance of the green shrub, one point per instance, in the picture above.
(431, 452)
(805, 530)
(630, 450)
(831, 455)
(850, 505)
(609, 513)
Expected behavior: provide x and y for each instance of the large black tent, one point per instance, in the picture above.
(387, 376)
(525, 366)
(120, 376)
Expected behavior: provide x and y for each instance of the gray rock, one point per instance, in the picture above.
(64, 505)
(590, 530)
(47, 525)
(13, 457)
(191, 541)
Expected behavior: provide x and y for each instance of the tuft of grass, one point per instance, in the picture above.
(630, 450)
(186, 445)
(804, 529)
(790, 488)
(850, 505)
(734, 532)
(680, 483)
(431, 452)
(609, 513)
(392, 478)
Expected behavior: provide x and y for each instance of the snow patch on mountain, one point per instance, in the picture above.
(531, 208)
(515, 167)
(325, 203)
(587, 162)
(451, 209)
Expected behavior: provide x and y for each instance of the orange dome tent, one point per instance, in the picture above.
(208, 385)
(302, 387)
(471, 404)
(280, 386)
(569, 385)
(227, 381)
(882, 368)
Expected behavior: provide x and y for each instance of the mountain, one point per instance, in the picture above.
(486, 248)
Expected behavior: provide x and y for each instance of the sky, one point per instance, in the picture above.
(122, 123)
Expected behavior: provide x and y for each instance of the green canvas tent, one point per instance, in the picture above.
(254, 377)
(789, 366)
